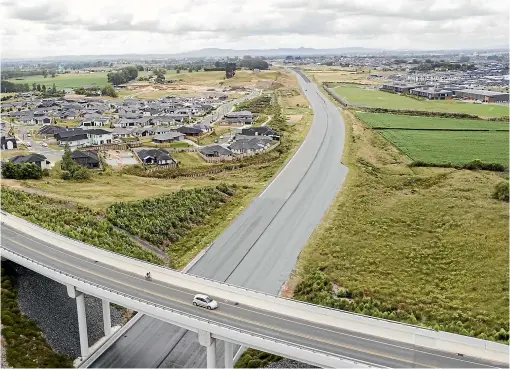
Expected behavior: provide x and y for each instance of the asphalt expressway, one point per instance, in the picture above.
(259, 251)
(290, 329)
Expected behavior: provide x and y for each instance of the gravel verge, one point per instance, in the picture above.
(288, 363)
(46, 302)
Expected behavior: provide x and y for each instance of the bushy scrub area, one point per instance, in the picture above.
(425, 246)
(256, 359)
(23, 340)
(258, 105)
(73, 221)
(166, 219)
(21, 171)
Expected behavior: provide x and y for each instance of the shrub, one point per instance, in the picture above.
(21, 171)
(501, 191)
(24, 341)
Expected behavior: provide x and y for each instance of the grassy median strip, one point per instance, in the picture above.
(426, 246)
(24, 341)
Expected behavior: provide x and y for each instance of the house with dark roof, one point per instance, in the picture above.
(156, 157)
(168, 137)
(74, 138)
(261, 131)
(189, 131)
(249, 146)
(8, 143)
(215, 151)
(88, 159)
(40, 160)
(238, 117)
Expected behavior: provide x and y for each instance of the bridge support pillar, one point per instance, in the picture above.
(205, 339)
(107, 320)
(82, 319)
(229, 354)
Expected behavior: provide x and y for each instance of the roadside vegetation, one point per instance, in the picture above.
(74, 221)
(256, 359)
(165, 220)
(24, 342)
(372, 97)
(425, 246)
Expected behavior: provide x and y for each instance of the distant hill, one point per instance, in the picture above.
(302, 51)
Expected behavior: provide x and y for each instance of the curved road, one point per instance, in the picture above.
(260, 248)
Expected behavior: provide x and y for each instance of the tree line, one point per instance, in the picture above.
(123, 76)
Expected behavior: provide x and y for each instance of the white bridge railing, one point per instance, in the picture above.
(375, 327)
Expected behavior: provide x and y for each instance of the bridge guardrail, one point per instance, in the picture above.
(179, 312)
(377, 327)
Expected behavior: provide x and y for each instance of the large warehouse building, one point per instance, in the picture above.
(482, 95)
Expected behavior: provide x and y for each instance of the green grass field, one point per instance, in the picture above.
(69, 80)
(450, 147)
(376, 120)
(379, 99)
(426, 246)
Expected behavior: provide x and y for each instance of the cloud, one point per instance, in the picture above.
(50, 26)
(45, 13)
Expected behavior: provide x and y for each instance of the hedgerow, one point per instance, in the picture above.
(166, 219)
(501, 191)
(472, 165)
(74, 221)
(24, 341)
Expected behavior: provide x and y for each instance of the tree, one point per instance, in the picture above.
(177, 71)
(190, 70)
(45, 73)
(53, 73)
(54, 89)
(43, 88)
(39, 87)
(464, 59)
(67, 159)
(34, 86)
(108, 90)
(140, 68)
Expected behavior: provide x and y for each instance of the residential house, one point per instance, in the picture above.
(261, 131)
(156, 157)
(43, 120)
(203, 127)
(119, 132)
(87, 159)
(8, 143)
(99, 136)
(238, 118)
(94, 121)
(73, 138)
(40, 160)
(216, 151)
(189, 131)
(249, 146)
(168, 137)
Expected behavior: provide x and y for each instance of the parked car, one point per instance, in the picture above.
(204, 301)
(44, 144)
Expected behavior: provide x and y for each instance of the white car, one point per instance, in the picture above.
(44, 144)
(204, 301)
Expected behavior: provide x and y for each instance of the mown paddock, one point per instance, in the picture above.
(372, 97)
(69, 80)
(443, 140)
(388, 121)
(455, 147)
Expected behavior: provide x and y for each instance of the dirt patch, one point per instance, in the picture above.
(294, 118)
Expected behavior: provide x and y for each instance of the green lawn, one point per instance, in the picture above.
(376, 120)
(450, 147)
(379, 99)
(69, 80)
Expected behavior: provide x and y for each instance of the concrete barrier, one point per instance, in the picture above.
(375, 327)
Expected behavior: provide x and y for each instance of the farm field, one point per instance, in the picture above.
(443, 147)
(382, 121)
(379, 99)
(426, 246)
(69, 80)
(344, 74)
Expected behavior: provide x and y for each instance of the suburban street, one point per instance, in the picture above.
(361, 348)
(260, 248)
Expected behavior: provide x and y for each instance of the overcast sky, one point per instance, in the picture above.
(36, 28)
